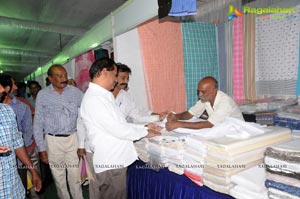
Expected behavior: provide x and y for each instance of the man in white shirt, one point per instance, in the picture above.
(126, 103)
(109, 138)
(217, 104)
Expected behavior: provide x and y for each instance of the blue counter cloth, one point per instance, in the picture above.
(146, 183)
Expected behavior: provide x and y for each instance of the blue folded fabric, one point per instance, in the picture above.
(183, 8)
(283, 187)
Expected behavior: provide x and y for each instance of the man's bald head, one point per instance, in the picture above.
(207, 89)
(210, 80)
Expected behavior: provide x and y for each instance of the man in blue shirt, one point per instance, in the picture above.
(12, 144)
(56, 112)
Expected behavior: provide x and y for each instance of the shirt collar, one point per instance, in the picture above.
(100, 89)
(218, 98)
(51, 87)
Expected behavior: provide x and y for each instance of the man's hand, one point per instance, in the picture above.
(3, 149)
(152, 133)
(44, 157)
(172, 117)
(81, 152)
(154, 127)
(163, 115)
(36, 181)
(171, 125)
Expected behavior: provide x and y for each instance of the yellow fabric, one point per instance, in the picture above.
(29, 182)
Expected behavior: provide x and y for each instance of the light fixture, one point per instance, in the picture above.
(94, 45)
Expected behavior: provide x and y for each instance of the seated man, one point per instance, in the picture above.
(126, 104)
(217, 104)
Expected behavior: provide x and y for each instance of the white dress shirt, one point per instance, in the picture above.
(109, 136)
(130, 110)
(224, 106)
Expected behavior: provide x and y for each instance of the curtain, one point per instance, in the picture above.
(200, 56)
(222, 58)
(82, 67)
(161, 45)
(249, 30)
(277, 54)
(238, 59)
(228, 45)
(129, 52)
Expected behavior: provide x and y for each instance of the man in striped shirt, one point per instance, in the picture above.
(54, 128)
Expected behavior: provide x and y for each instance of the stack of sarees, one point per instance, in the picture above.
(283, 170)
(232, 154)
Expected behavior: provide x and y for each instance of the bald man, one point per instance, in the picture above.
(217, 104)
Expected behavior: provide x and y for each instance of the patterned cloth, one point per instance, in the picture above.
(10, 183)
(228, 47)
(163, 67)
(222, 58)
(200, 56)
(277, 54)
(238, 59)
(298, 80)
(283, 187)
(82, 66)
(249, 34)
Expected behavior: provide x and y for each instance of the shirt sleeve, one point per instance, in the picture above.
(197, 109)
(17, 140)
(81, 132)
(38, 130)
(27, 126)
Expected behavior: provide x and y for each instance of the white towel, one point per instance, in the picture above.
(253, 178)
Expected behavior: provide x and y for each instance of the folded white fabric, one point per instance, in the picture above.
(281, 165)
(253, 178)
(218, 187)
(217, 179)
(241, 192)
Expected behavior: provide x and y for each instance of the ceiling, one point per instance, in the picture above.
(32, 32)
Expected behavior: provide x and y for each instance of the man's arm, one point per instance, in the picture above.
(38, 129)
(171, 125)
(179, 116)
(81, 136)
(36, 180)
(3, 149)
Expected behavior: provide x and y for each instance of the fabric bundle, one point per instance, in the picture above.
(283, 171)
(230, 156)
(250, 183)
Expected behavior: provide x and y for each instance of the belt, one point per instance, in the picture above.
(8, 153)
(59, 135)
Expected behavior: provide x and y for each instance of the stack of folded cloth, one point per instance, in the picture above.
(283, 170)
(249, 183)
(194, 155)
(161, 151)
(141, 147)
(288, 117)
(232, 153)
